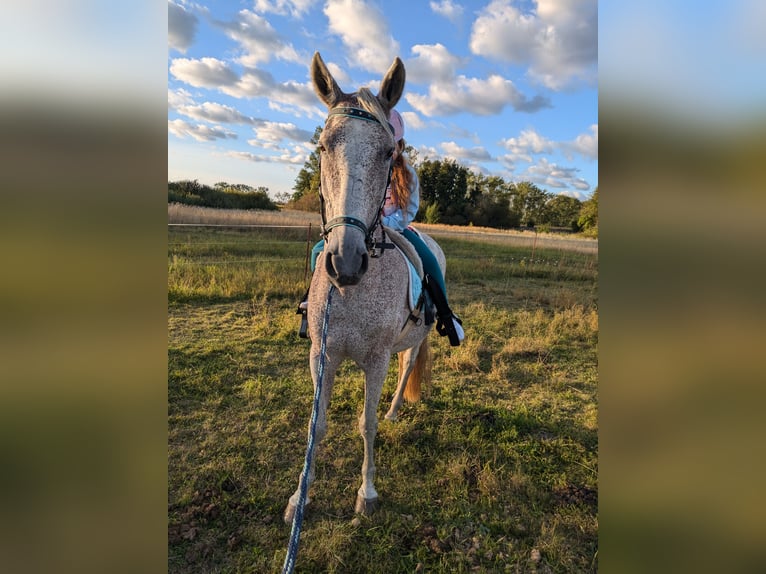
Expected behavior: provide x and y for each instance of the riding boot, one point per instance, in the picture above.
(303, 312)
(448, 324)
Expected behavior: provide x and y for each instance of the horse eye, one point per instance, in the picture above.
(389, 153)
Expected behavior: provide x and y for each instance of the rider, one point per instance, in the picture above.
(399, 209)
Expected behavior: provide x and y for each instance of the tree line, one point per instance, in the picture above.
(222, 195)
(450, 193)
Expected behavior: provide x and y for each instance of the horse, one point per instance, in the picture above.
(370, 315)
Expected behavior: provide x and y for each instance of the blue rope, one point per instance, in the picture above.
(295, 532)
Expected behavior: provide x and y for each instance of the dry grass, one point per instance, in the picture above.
(179, 213)
(496, 463)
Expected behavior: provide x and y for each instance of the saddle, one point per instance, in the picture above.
(420, 300)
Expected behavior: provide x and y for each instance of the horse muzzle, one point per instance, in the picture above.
(346, 258)
(344, 271)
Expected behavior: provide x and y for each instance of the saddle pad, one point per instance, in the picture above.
(414, 265)
(416, 284)
(406, 248)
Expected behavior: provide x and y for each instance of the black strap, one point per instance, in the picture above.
(345, 220)
(360, 114)
(328, 226)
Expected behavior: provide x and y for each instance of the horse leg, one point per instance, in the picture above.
(321, 430)
(406, 363)
(375, 374)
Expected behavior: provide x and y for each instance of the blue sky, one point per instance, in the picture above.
(506, 88)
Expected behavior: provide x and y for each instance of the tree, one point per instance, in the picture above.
(282, 197)
(412, 155)
(528, 202)
(307, 181)
(563, 211)
(432, 214)
(588, 219)
(489, 202)
(445, 184)
(222, 195)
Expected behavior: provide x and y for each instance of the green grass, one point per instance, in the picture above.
(495, 470)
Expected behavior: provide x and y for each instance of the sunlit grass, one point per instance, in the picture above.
(494, 470)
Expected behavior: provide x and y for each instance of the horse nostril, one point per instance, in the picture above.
(329, 266)
(365, 263)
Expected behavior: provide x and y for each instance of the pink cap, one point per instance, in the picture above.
(395, 119)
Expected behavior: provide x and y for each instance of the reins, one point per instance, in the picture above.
(374, 248)
(295, 531)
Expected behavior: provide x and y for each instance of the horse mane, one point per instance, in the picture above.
(370, 103)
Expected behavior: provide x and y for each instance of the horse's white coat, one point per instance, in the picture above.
(366, 318)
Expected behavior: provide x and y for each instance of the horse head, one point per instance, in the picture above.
(355, 150)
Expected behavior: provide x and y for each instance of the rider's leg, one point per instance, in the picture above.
(303, 305)
(315, 251)
(449, 324)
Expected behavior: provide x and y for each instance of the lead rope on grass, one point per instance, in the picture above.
(295, 531)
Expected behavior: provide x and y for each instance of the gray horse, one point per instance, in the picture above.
(369, 314)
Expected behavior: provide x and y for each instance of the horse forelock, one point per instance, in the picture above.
(369, 103)
(365, 100)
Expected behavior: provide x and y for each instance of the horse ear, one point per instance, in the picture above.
(392, 86)
(325, 85)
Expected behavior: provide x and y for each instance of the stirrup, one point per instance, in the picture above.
(302, 310)
(303, 332)
(448, 326)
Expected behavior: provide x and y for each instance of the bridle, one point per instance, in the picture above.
(348, 221)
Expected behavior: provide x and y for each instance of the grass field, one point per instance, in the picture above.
(495, 470)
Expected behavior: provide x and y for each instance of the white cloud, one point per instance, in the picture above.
(452, 149)
(339, 74)
(215, 74)
(204, 73)
(216, 113)
(529, 142)
(432, 63)
(364, 31)
(547, 174)
(585, 145)
(448, 9)
(580, 183)
(278, 131)
(199, 132)
(476, 96)
(509, 162)
(178, 98)
(412, 121)
(295, 8)
(558, 41)
(257, 83)
(182, 27)
(259, 39)
(546, 169)
(286, 157)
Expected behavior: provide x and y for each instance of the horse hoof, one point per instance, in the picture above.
(289, 514)
(390, 417)
(366, 506)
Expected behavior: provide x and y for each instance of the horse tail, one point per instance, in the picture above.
(421, 372)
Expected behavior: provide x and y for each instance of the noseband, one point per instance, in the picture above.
(345, 220)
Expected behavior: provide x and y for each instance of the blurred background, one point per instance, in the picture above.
(83, 144)
(682, 114)
(83, 401)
